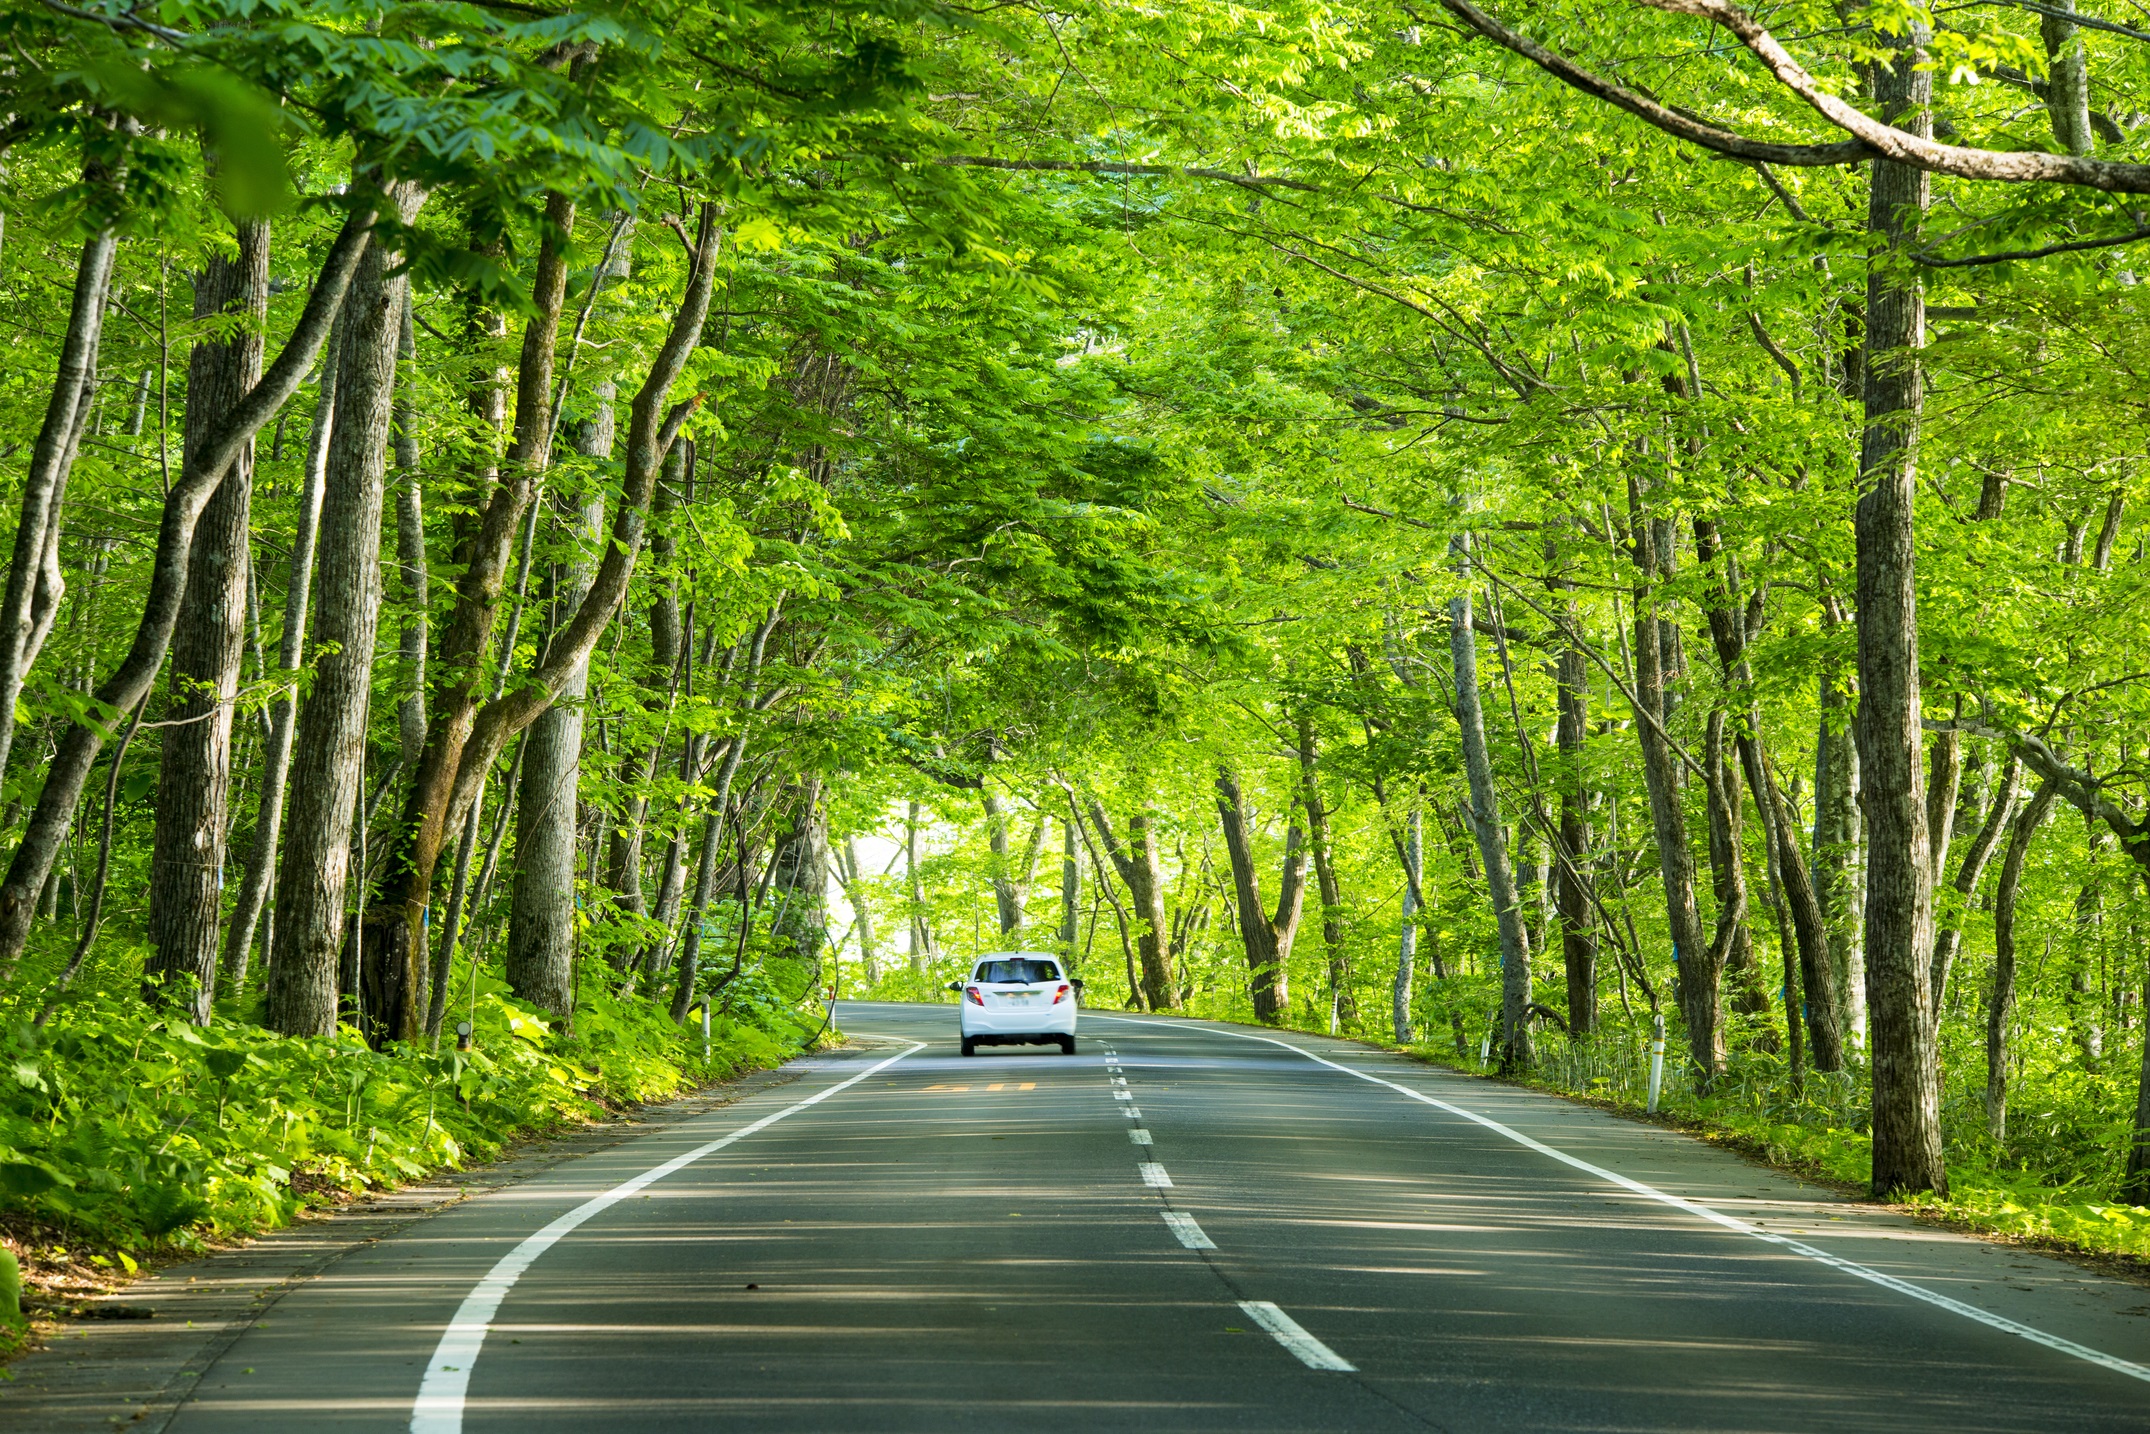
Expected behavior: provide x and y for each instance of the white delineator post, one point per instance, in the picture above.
(1657, 1061)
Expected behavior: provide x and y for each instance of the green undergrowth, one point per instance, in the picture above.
(2048, 1185)
(141, 1132)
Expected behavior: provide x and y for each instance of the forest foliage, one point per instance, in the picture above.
(1475, 529)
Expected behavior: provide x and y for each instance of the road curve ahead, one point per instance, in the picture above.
(1183, 1227)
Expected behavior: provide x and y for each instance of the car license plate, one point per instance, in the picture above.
(1021, 998)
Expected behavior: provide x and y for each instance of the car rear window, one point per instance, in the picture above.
(1025, 972)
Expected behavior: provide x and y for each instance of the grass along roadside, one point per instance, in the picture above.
(1814, 1132)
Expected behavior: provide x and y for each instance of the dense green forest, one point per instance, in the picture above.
(544, 530)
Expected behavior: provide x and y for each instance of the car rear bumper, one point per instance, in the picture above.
(1045, 1021)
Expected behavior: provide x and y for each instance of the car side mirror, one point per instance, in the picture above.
(955, 985)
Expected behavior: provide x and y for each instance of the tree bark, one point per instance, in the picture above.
(1138, 867)
(1485, 814)
(1413, 858)
(121, 692)
(1698, 969)
(1266, 938)
(465, 740)
(1948, 941)
(1728, 872)
(411, 566)
(186, 883)
(1836, 850)
(1007, 899)
(484, 547)
(32, 594)
(1572, 893)
(1899, 871)
(541, 912)
(862, 907)
(2000, 1002)
(1070, 889)
(1343, 1010)
(254, 889)
(2067, 96)
(799, 881)
(328, 755)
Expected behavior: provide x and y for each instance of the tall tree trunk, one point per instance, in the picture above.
(1138, 866)
(862, 907)
(690, 941)
(276, 756)
(799, 881)
(2135, 1177)
(1578, 925)
(1343, 1011)
(1699, 974)
(32, 595)
(484, 543)
(329, 752)
(653, 425)
(1070, 889)
(1948, 941)
(541, 914)
(186, 884)
(1899, 870)
(623, 859)
(1485, 814)
(1728, 872)
(1944, 787)
(1836, 853)
(921, 935)
(411, 566)
(124, 690)
(1007, 899)
(2067, 97)
(2000, 1002)
(1266, 938)
(1414, 864)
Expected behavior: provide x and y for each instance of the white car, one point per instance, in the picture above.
(1017, 998)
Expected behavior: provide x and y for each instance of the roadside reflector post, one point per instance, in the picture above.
(1657, 1061)
(703, 1006)
(462, 1035)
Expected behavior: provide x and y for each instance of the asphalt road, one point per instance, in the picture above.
(1022, 1240)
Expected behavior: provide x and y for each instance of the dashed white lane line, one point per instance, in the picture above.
(1121, 1095)
(1189, 1232)
(1729, 1222)
(1154, 1175)
(1120, 1081)
(1311, 1352)
(439, 1407)
(1139, 1136)
(1131, 1112)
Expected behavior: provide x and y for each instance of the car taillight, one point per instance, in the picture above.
(975, 998)
(1060, 995)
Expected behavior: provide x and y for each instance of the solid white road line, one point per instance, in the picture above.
(1730, 1222)
(1154, 1175)
(1311, 1351)
(439, 1408)
(1139, 1136)
(1189, 1232)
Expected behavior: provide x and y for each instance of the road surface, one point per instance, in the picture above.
(1183, 1227)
